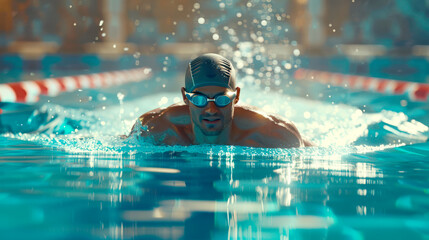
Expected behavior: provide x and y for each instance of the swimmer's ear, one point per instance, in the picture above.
(184, 96)
(237, 97)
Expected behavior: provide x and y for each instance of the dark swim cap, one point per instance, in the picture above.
(210, 70)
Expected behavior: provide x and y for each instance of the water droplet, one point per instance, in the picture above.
(177, 100)
(307, 115)
(120, 96)
(296, 52)
(163, 100)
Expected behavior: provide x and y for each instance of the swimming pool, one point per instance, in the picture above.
(71, 177)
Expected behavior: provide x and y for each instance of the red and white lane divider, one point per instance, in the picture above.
(29, 91)
(416, 91)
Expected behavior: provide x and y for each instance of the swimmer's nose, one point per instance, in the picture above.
(211, 108)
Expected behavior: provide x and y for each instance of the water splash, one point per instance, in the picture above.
(334, 128)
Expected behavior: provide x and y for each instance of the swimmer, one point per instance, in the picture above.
(210, 113)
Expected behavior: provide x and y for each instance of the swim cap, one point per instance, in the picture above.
(209, 70)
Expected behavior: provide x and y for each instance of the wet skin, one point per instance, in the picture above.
(234, 124)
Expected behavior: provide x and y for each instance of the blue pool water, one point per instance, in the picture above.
(70, 176)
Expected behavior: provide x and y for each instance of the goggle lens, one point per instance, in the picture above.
(199, 100)
(222, 101)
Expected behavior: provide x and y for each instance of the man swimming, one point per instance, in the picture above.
(210, 113)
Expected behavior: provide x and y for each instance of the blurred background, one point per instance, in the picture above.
(269, 39)
(65, 173)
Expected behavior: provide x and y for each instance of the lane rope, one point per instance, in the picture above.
(29, 91)
(415, 91)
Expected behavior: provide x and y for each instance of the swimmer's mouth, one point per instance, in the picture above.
(211, 120)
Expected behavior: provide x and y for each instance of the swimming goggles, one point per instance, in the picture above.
(201, 100)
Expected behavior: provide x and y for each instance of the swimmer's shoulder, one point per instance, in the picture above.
(153, 121)
(270, 129)
(168, 125)
(252, 117)
(175, 114)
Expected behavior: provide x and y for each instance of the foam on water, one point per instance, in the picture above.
(334, 128)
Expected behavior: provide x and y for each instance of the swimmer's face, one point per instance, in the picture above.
(211, 119)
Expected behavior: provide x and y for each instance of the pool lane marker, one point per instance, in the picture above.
(29, 91)
(415, 91)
